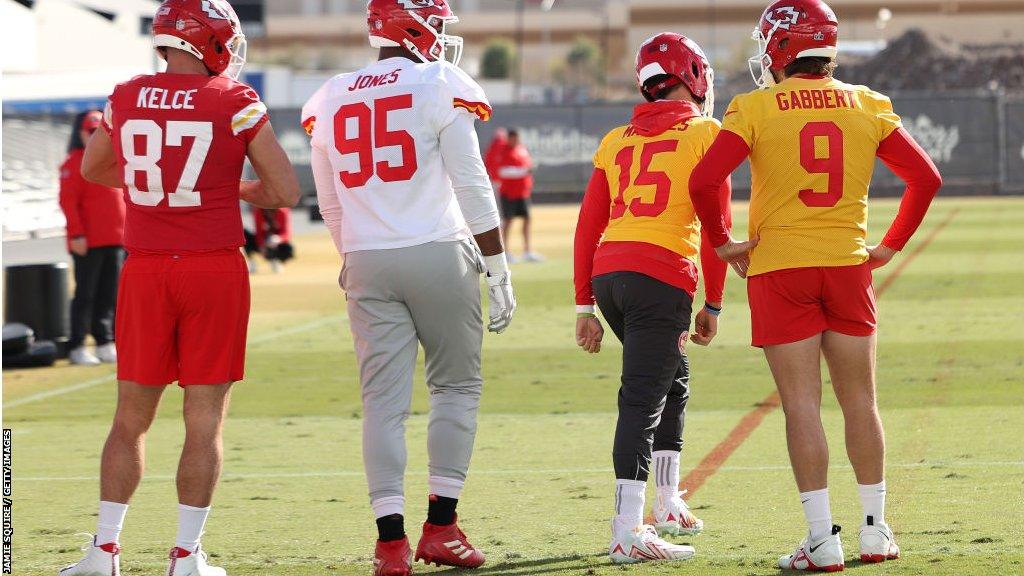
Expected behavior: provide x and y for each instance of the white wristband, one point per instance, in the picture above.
(585, 309)
(496, 265)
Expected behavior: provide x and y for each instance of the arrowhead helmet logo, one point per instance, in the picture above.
(214, 10)
(782, 17)
(415, 4)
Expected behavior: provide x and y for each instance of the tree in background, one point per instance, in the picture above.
(583, 69)
(497, 60)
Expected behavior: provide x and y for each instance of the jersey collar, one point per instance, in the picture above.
(653, 118)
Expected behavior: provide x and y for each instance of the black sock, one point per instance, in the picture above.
(441, 510)
(391, 527)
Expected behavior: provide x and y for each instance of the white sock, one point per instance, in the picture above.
(872, 499)
(447, 487)
(665, 466)
(387, 506)
(629, 504)
(818, 512)
(110, 522)
(191, 521)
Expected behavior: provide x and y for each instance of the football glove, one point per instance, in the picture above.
(499, 289)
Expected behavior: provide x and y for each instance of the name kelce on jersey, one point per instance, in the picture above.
(162, 99)
(371, 81)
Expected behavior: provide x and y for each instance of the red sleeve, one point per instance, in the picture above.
(725, 155)
(907, 160)
(248, 113)
(284, 224)
(71, 183)
(591, 224)
(714, 268)
(491, 160)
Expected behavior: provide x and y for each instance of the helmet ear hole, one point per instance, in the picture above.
(218, 47)
(783, 43)
(413, 32)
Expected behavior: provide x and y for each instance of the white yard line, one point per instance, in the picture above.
(534, 472)
(60, 391)
(112, 378)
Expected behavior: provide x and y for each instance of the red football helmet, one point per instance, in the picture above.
(791, 29)
(207, 29)
(681, 61)
(416, 25)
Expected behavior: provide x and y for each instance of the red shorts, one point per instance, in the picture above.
(182, 318)
(797, 303)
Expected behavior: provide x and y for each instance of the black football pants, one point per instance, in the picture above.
(649, 317)
(92, 308)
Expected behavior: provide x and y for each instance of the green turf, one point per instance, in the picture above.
(292, 500)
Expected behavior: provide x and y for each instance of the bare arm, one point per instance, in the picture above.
(489, 242)
(99, 164)
(277, 187)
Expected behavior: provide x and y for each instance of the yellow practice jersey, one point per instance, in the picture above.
(648, 179)
(812, 151)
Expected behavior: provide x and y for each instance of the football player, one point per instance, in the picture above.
(404, 192)
(643, 274)
(812, 142)
(175, 142)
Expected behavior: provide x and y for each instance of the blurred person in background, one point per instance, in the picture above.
(95, 232)
(494, 152)
(515, 176)
(273, 236)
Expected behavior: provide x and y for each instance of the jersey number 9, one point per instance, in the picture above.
(831, 164)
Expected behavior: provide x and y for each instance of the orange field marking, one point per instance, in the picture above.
(746, 426)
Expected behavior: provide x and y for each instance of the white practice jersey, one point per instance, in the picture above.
(395, 155)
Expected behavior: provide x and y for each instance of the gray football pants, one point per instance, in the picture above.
(397, 299)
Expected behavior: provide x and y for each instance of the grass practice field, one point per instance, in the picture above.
(292, 500)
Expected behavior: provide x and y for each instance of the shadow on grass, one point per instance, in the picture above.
(514, 567)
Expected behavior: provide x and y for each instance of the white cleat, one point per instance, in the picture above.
(877, 543)
(107, 353)
(824, 555)
(532, 257)
(103, 560)
(672, 517)
(642, 544)
(82, 357)
(185, 563)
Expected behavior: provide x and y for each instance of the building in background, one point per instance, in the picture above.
(330, 35)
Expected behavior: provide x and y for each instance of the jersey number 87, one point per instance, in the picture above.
(155, 138)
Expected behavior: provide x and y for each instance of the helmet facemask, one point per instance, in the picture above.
(707, 108)
(238, 48)
(443, 42)
(760, 65)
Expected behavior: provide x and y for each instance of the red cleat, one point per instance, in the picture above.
(392, 558)
(447, 546)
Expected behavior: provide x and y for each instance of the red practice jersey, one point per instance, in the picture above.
(181, 140)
